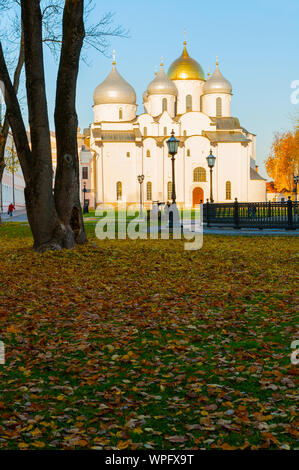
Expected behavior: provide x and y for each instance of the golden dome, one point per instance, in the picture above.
(185, 68)
(114, 89)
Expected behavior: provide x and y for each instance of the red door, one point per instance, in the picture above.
(197, 196)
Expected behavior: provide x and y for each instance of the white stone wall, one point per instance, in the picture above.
(154, 104)
(209, 104)
(188, 87)
(110, 112)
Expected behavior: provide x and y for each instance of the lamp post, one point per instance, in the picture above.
(211, 163)
(173, 145)
(84, 193)
(140, 179)
(296, 181)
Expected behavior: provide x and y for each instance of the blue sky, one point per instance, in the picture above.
(257, 44)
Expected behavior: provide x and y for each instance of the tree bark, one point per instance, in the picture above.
(67, 185)
(56, 222)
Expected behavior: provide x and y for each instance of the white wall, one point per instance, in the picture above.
(188, 87)
(209, 104)
(110, 112)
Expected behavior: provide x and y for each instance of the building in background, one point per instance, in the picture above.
(12, 184)
(124, 145)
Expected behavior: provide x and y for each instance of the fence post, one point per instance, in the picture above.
(290, 214)
(236, 214)
(208, 213)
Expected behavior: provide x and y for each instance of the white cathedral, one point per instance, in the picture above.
(125, 145)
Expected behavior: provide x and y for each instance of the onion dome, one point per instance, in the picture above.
(185, 68)
(217, 83)
(114, 89)
(162, 85)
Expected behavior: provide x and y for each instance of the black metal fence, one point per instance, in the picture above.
(253, 214)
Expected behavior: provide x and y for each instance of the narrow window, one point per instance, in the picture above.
(218, 107)
(164, 104)
(185, 133)
(165, 130)
(169, 190)
(149, 191)
(199, 175)
(128, 154)
(188, 153)
(201, 105)
(120, 113)
(148, 153)
(85, 172)
(119, 191)
(188, 103)
(145, 131)
(228, 190)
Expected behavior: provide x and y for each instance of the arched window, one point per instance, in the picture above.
(188, 153)
(164, 104)
(148, 153)
(228, 190)
(128, 154)
(145, 131)
(199, 175)
(165, 130)
(120, 113)
(119, 190)
(188, 103)
(201, 105)
(149, 191)
(218, 107)
(185, 133)
(169, 190)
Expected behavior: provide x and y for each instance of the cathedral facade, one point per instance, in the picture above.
(125, 145)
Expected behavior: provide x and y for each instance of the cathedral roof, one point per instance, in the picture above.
(114, 89)
(217, 83)
(185, 68)
(162, 85)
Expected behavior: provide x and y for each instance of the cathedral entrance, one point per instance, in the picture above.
(197, 196)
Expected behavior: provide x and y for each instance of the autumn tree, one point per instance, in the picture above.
(283, 162)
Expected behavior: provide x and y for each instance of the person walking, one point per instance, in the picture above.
(11, 208)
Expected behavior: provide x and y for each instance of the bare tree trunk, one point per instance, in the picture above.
(55, 222)
(66, 123)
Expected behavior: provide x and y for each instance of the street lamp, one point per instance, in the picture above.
(211, 163)
(140, 179)
(173, 145)
(296, 181)
(84, 200)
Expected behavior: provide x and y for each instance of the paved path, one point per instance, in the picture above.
(21, 216)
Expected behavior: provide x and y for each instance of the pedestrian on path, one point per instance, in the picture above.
(11, 208)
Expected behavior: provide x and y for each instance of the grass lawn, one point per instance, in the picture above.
(142, 345)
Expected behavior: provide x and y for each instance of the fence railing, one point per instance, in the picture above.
(253, 214)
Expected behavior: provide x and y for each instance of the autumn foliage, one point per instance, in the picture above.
(283, 161)
(142, 345)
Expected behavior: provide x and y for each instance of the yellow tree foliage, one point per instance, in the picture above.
(11, 160)
(283, 161)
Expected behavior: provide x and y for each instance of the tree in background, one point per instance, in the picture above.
(283, 162)
(12, 165)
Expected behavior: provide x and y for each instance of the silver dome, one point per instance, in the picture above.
(114, 89)
(162, 85)
(217, 83)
